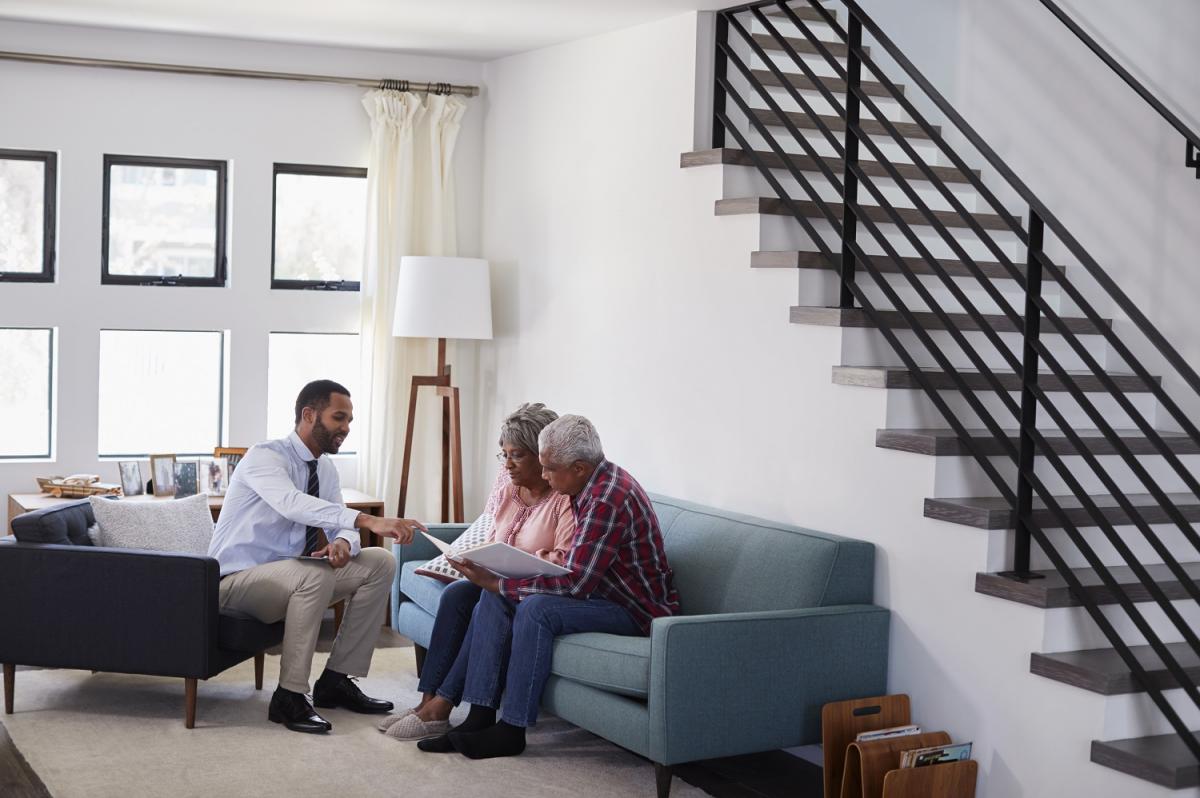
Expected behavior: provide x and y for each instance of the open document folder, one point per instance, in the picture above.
(501, 559)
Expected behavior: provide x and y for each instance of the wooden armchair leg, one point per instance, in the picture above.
(189, 703)
(662, 779)
(259, 658)
(420, 652)
(10, 677)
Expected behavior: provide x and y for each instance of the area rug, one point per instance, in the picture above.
(98, 735)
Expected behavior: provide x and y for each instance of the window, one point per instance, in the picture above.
(28, 184)
(318, 227)
(26, 392)
(296, 359)
(161, 392)
(164, 221)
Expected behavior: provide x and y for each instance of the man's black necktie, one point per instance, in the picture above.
(314, 536)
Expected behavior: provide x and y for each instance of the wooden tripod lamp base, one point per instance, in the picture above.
(452, 479)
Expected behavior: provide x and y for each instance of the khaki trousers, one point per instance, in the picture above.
(298, 592)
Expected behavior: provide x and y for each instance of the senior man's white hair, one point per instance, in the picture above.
(569, 439)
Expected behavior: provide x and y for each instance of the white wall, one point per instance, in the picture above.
(84, 113)
(620, 296)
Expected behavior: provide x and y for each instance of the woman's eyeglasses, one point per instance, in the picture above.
(517, 457)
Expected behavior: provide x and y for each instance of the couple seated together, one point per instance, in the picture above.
(556, 497)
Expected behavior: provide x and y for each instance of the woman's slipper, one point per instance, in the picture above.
(410, 727)
(387, 722)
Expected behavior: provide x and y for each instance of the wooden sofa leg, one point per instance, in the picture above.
(10, 678)
(259, 659)
(189, 703)
(662, 779)
(420, 652)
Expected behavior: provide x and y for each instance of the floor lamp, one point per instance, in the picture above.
(441, 297)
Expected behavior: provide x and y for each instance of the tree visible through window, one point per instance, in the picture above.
(27, 212)
(319, 227)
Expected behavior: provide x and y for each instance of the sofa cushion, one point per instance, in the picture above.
(423, 590)
(178, 525)
(63, 524)
(726, 562)
(242, 633)
(614, 663)
(476, 534)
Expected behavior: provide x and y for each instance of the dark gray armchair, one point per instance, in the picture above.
(69, 604)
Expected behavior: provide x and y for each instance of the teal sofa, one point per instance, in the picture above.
(777, 621)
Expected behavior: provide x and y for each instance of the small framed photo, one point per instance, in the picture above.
(213, 476)
(131, 477)
(233, 456)
(162, 473)
(187, 478)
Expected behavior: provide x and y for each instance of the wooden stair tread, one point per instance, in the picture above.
(738, 157)
(835, 85)
(1052, 592)
(994, 512)
(792, 259)
(1162, 759)
(911, 216)
(1101, 670)
(910, 130)
(856, 317)
(900, 377)
(802, 46)
(944, 442)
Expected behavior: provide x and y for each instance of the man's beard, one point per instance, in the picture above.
(324, 438)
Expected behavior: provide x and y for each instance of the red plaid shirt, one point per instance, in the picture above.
(617, 553)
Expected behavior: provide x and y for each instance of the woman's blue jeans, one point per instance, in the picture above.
(450, 629)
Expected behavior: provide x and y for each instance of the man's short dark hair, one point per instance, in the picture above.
(316, 395)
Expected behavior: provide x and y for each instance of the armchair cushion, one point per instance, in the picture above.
(476, 534)
(64, 524)
(424, 590)
(613, 663)
(179, 525)
(247, 635)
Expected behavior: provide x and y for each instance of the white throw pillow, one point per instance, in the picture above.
(178, 525)
(477, 533)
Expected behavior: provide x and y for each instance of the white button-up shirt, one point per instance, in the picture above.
(266, 509)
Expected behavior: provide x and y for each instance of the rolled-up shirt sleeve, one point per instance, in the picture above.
(265, 472)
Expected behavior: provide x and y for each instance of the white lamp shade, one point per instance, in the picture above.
(440, 297)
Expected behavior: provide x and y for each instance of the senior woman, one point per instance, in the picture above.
(528, 515)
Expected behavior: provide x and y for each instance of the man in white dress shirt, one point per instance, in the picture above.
(285, 500)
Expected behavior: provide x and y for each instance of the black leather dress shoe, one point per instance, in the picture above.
(294, 711)
(337, 690)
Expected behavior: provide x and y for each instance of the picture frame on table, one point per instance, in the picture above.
(131, 478)
(187, 478)
(162, 474)
(214, 476)
(233, 455)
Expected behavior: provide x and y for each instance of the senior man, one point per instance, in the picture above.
(278, 563)
(619, 582)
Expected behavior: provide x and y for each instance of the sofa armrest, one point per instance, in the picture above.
(422, 549)
(735, 683)
(120, 610)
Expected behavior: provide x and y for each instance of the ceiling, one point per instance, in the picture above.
(474, 29)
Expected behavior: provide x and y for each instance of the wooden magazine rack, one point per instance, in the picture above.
(872, 769)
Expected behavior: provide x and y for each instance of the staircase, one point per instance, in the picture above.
(992, 329)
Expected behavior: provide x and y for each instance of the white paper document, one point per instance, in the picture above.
(502, 559)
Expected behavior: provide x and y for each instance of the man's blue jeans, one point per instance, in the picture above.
(442, 671)
(521, 637)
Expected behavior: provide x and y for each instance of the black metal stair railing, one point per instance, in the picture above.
(848, 219)
(1190, 137)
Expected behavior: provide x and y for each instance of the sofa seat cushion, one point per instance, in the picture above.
(242, 633)
(614, 663)
(423, 590)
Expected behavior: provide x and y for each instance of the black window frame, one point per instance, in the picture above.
(51, 363)
(221, 409)
(320, 171)
(49, 161)
(220, 252)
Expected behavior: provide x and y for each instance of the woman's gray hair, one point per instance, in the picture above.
(570, 439)
(522, 426)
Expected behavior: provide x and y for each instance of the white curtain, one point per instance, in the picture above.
(410, 211)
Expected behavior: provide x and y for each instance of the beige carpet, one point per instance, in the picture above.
(96, 735)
